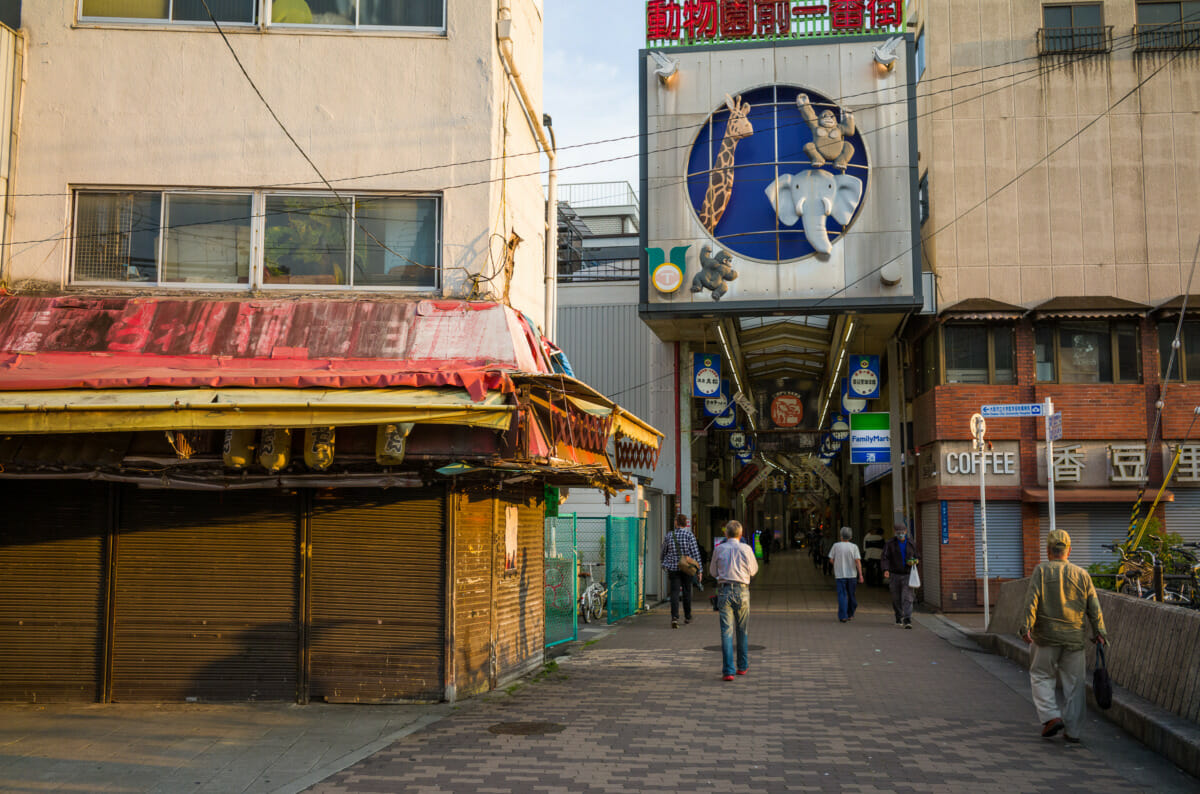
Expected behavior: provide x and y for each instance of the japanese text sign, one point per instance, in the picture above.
(706, 375)
(689, 22)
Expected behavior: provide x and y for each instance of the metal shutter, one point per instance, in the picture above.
(931, 552)
(206, 596)
(377, 595)
(521, 628)
(1183, 515)
(51, 590)
(1089, 526)
(1005, 544)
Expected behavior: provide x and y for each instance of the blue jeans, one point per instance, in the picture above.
(847, 603)
(733, 602)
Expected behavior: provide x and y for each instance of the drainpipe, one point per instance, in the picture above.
(540, 129)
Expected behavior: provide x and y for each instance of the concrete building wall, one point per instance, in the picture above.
(166, 106)
(1108, 213)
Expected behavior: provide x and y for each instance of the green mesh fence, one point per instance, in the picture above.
(561, 580)
(622, 566)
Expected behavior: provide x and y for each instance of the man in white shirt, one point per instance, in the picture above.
(847, 571)
(733, 565)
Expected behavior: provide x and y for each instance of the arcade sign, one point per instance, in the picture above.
(864, 377)
(678, 23)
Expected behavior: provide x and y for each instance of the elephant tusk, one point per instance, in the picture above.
(828, 205)
(800, 205)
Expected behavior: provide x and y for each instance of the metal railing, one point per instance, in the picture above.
(598, 194)
(1167, 36)
(590, 270)
(1094, 38)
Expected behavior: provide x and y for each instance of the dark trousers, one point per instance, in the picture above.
(874, 574)
(681, 585)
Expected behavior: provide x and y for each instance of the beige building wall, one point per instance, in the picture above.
(1022, 211)
(166, 106)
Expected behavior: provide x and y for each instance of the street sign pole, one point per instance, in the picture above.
(1048, 413)
(978, 427)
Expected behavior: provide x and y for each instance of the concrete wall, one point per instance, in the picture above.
(160, 106)
(1111, 213)
(1151, 659)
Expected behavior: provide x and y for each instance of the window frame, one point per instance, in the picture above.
(1166, 333)
(940, 377)
(262, 11)
(258, 221)
(1114, 325)
(1182, 34)
(1097, 38)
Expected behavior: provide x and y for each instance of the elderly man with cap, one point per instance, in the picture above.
(1059, 604)
(899, 556)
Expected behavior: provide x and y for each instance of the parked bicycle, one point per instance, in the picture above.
(1135, 575)
(594, 596)
(1183, 572)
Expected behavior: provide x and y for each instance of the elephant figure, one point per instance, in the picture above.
(813, 196)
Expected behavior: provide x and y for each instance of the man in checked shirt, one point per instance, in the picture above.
(733, 565)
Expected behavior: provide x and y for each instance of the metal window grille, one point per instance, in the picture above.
(1188, 469)
(1167, 36)
(1091, 38)
(561, 580)
(103, 235)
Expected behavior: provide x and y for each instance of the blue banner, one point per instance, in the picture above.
(706, 375)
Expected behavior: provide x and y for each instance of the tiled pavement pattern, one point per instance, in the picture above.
(826, 706)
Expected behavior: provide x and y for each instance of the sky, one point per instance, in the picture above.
(591, 86)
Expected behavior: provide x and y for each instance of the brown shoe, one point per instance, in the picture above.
(1052, 727)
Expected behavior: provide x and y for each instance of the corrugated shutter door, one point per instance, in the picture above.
(520, 596)
(51, 590)
(1089, 526)
(931, 552)
(206, 596)
(377, 596)
(1005, 560)
(1183, 515)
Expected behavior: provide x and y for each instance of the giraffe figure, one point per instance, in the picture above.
(720, 178)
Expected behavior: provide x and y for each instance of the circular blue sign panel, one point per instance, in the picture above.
(752, 224)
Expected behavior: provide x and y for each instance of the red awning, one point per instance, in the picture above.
(1126, 495)
(71, 342)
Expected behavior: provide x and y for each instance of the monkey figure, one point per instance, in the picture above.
(829, 138)
(714, 272)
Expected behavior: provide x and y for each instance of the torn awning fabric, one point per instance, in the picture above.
(69, 342)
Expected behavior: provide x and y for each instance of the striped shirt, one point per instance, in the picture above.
(687, 547)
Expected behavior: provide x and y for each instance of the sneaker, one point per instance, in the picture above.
(741, 672)
(907, 623)
(727, 678)
(687, 620)
(897, 621)
(1071, 739)
(674, 623)
(1052, 727)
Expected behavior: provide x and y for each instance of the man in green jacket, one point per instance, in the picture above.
(1059, 604)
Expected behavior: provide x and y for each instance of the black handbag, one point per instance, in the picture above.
(1101, 683)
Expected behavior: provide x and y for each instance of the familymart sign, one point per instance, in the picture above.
(870, 438)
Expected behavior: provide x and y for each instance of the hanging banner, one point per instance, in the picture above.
(851, 405)
(864, 377)
(720, 404)
(706, 375)
(870, 438)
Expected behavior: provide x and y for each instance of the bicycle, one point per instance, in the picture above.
(557, 596)
(1135, 575)
(1184, 571)
(594, 597)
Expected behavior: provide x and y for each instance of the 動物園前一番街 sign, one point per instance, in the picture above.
(870, 438)
(678, 23)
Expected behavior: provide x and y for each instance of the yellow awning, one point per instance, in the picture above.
(92, 411)
(628, 425)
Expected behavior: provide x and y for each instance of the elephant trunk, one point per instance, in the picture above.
(813, 213)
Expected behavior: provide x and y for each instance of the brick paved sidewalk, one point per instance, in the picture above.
(826, 706)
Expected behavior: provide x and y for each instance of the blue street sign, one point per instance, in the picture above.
(1015, 409)
(1056, 426)
(945, 521)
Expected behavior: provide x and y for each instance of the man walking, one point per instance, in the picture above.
(733, 565)
(899, 556)
(679, 543)
(1059, 597)
(847, 571)
(872, 552)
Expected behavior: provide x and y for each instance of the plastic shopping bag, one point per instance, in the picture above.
(914, 578)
